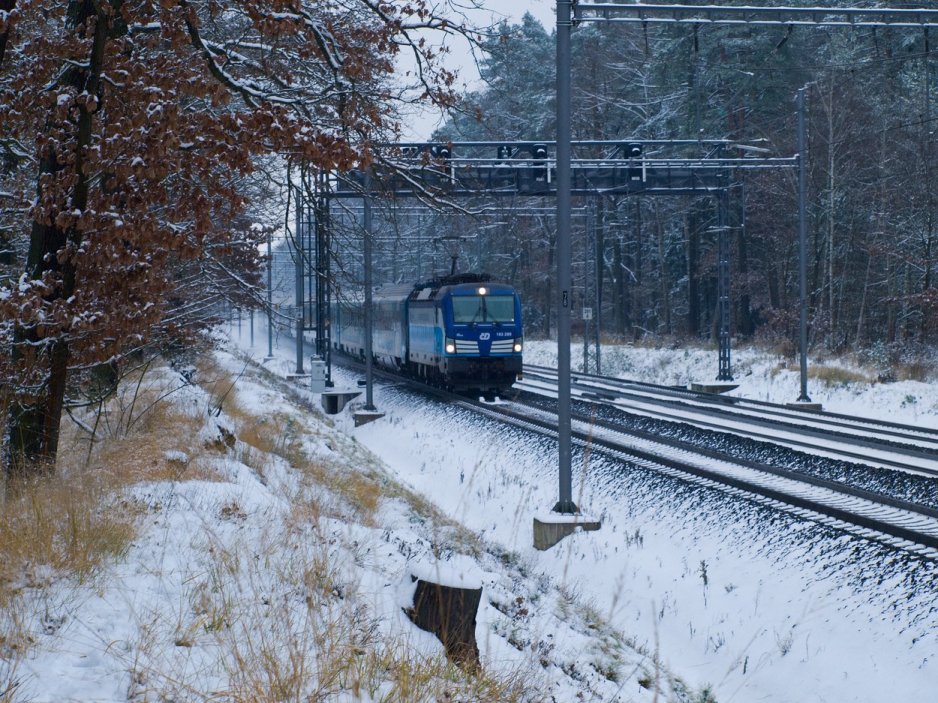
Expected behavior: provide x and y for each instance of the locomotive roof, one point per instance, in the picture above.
(430, 290)
(454, 279)
(425, 291)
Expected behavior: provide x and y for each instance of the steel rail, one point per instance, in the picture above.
(713, 418)
(711, 403)
(851, 507)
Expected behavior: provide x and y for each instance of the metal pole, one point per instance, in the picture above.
(587, 229)
(251, 313)
(298, 251)
(802, 250)
(322, 224)
(565, 503)
(598, 277)
(725, 372)
(270, 298)
(369, 316)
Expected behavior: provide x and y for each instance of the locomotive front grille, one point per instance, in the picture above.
(467, 346)
(503, 346)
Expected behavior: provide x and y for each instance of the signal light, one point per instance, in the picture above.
(540, 173)
(504, 152)
(633, 150)
(441, 151)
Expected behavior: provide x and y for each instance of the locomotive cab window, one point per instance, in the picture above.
(490, 308)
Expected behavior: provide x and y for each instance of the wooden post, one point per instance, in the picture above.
(449, 612)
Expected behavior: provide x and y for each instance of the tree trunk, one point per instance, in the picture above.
(6, 245)
(35, 418)
(890, 304)
(745, 324)
(664, 283)
(831, 185)
(775, 297)
(927, 143)
(619, 291)
(5, 6)
(866, 288)
(548, 288)
(600, 270)
(693, 273)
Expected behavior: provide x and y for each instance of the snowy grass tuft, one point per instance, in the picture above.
(57, 527)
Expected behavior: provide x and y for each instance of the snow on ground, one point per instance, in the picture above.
(761, 376)
(252, 580)
(757, 605)
(236, 578)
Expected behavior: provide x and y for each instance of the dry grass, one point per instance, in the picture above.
(328, 643)
(921, 370)
(126, 455)
(827, 374)
(291, 626)
(72, 523)
(220, 385)
(66, 526)
(837, 375)
(61, 526)
(360, 494)
(283, 436)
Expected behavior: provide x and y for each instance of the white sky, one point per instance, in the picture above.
(419, 127)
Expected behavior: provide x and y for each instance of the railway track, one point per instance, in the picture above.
(898, 523)
(874, 443)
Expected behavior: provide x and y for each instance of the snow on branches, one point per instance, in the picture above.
(141, 124)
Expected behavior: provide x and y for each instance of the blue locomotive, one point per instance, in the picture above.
(461, 331)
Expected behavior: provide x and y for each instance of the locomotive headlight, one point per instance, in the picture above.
(517, 346)
(483, 290)
(450, 346)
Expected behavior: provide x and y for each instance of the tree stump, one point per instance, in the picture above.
(449, 612)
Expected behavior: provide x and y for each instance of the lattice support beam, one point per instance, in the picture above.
(780, 16)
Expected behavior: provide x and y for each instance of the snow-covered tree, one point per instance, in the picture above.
(128, 129)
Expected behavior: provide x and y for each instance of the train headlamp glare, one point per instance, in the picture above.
(517, 346)
(450, 346)
(483, 290)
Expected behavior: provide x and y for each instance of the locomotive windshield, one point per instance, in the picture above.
(490, 308)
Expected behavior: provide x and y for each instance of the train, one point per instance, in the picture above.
(461, 331)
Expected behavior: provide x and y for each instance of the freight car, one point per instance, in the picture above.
(462, 332)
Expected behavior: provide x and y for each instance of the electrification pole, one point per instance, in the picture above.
(270, 298)
(298, 252)
(369, 307)
(565, 503)
(802, 251)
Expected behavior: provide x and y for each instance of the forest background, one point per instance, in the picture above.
(871, 154)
